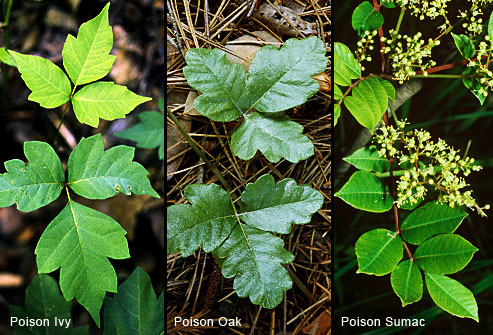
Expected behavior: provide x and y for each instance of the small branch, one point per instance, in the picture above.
(376, 6)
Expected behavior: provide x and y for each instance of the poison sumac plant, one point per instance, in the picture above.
(405, 169)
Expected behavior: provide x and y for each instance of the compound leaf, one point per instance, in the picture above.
(378, 252)
(367, 159)
(345, 66)
(206, 222)
(79, 241)
(271, 207)
(366, 18)
(223, 85)
(134, 309)
(32, 185)
(104, 100)
(452, 296)
(464, 45)
(444, 254)
(97, 174)
(49, 85)
(282, 78)
(275, 135)
(367, 192)
(148, 133)
(86, 58)
(407, 282)
(44, 301)
(253, 257)
(429, 220)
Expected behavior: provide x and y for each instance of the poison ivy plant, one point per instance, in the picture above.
(149, 132)
(277, 80)
(241, 238)
(86, 59)
(80, 239)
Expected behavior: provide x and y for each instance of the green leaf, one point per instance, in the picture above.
(86, 58)
(282, 79)
(367, 159)
(276, 136)
(97, 174)
(337, 113)
(444, 254)
(78, 241)
(253, 257)
(431, 219)
(134, 309)
(369, 100)
(223, 85)
(35, 184)
(148, 133)
(366, 192)
(490, 26)
(104, 100)
(49, 85)
(44, 301)
(452, 296)
(378, 252)
(407, 282)
(337, 92)
(271, 207)
(345, 66)
(366, 18)
(464, 45)
(6, 58)
(473, 84)
(388, 3)
(206, 222)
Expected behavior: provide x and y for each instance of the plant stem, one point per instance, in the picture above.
(446, 76)
(198, 151)
(399, 173)
(399, 21)
(7, 6)
(61, 122)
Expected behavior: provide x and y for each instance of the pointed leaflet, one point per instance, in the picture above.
(44, 301)
(276, 136)
(32, 185)
(345, 66)
(431, 219)
(86, 58)
(282, 79)
(366, 18)
(444, 254)
(271, 207)
(378, 252)
(365, 191)
(452, 296)
(367, 159)
(49, 85)
(135, 309)
(253, 257)
(104, 100)
(97, 174)
(79, 241)
(148, 133)
(407, 282)
(206, 222)
(224, 96)
(6, 58)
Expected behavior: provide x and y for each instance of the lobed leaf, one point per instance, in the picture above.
(79, 241)
(378, 252)
(86, 58)
(367, 159)
(271, 207)
(104, 100)
(44, 301)
(276, 136)
(345, 66)
(366, 192)
(135, 309)
(429, 220)
(444, 254)
(49, 85)
(366, 18)
(97, 174)
(253, 257)
(407, 282)
(452, 296)
(32, 185)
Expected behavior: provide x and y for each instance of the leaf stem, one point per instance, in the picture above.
(398, 173)
(62, 117)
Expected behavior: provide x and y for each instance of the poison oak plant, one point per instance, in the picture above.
(406, 170)
(80, 240)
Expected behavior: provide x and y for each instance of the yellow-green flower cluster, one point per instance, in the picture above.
(365, 44)
(408, 54)
(473, 21)
(426, 8)
(426, 165)
(480, 65)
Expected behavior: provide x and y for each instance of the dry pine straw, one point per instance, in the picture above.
(189, 279)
